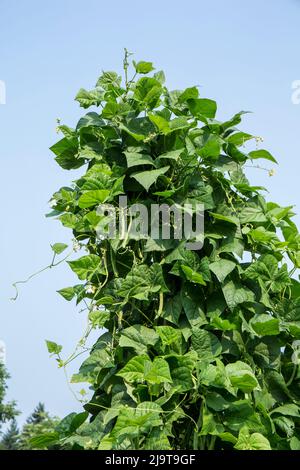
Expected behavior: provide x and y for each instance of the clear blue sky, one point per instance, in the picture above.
(243, 54)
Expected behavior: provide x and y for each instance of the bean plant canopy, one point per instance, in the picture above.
(197, 349)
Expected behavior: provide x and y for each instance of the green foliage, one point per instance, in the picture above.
(38, 432)
(10, 439)
(38, 426)
(198, 349)
(38, 415)
(7, 410)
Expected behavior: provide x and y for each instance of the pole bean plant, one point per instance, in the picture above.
(197, 349)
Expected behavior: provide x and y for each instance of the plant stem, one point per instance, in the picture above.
(196, 431)
(293, 375)
(212, 443)
(161, 304)
(113, 262)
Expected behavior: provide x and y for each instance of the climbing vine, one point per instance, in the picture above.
(197, 349)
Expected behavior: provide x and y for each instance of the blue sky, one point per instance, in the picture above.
(245, 55)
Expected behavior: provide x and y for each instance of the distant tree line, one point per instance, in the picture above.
(15, 437)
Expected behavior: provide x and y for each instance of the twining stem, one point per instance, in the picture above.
(293, 375)
(69, 385)
(126, 65)
(161, 304)
(212, 443)
(197, 429)
(51, 265)
(113, 262)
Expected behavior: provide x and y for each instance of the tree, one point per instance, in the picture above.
(200, 349)
(38, 423)
(10, 438)
(38, 415)
(7, 410)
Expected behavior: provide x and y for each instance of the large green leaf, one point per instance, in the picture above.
(265, 325)
(148, 91)
(255, 441)
(193, 307)
(206, 344)
(181, 368)
(285, 425)
(266, 352)
(167, 127)
(295, 443)
(266, 269)
(172, 155)
(252, 214)
(239, 138)
(225, 218)
(159, 372)
(222, 268)
(236, 119)
(141, 281)
(90, 368)
(203, 107)
(210, 426)
(168, 335)
(157, 440)
(289, 409)
(262, 154)
(53, 348)
(277, 386)
(236, 294)
(140, 368)
(92, 198)
(136, 159)
(58, 248)
(241, 376)
(134, 370)
(193, 276)
(86, 266)
(45, 440)
(134, 421)
(143, 67)
(211, 148)
(138, 337)
(90, 120)
(138, 128)
(66, 151)
(172, 309)
(148, 178)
